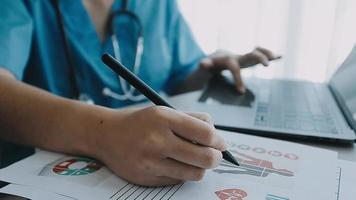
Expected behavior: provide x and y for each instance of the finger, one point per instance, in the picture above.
(194, 154)
(236, 73)
(260, 57)
(193, 129)
(206, 63)
(202, 116)
(270, 55)
(179, 171)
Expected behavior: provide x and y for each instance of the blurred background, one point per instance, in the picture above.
(313, 36)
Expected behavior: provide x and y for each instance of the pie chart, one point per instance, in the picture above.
(76, 167)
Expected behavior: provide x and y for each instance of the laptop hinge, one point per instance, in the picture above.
(342, 105)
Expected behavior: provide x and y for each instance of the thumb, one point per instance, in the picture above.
(206, 63)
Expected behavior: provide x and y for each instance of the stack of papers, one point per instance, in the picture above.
(269, 170)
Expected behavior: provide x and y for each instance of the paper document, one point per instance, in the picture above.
(346, 180)
(270, 169)
(345, 183)
(32, 193)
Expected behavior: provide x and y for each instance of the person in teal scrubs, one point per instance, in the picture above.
(50, 56)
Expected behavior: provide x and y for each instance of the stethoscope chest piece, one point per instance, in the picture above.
(85, 98)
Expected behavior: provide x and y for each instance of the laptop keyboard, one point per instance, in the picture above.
(293, 106)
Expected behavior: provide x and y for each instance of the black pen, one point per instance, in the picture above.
(146, 90)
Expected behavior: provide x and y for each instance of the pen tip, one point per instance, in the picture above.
(229, 157)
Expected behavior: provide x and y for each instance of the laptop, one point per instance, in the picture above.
(282, 108)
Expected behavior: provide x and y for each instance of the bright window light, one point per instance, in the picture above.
(313, 36)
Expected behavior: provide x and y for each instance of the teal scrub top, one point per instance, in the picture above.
(31, 47)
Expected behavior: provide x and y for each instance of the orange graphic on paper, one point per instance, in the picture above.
(231, 194)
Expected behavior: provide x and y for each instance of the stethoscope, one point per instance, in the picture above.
(128, 91)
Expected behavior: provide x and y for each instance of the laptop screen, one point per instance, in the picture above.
(343, 85)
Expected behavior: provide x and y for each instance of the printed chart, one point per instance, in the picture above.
(263, 164)
(77, 169)
(270, 170)
(252, 166)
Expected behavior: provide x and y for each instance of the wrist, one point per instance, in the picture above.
(88, 126)
(97, 125)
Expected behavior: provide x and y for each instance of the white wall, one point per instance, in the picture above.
(313, 36)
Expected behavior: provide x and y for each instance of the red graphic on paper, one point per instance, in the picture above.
(252, 166)
(63, 168)
(231, 194)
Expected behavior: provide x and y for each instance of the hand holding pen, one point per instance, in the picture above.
(183, 145)
(152, 146)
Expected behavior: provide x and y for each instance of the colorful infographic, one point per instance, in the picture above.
(270, 170)
(77, 169)
(263, 164)
(252, 166)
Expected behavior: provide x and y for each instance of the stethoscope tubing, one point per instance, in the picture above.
(127, 89)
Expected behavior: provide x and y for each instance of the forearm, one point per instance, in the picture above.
(34, 117)
(155, 138)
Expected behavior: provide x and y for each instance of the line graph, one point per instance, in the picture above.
(252, 166)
